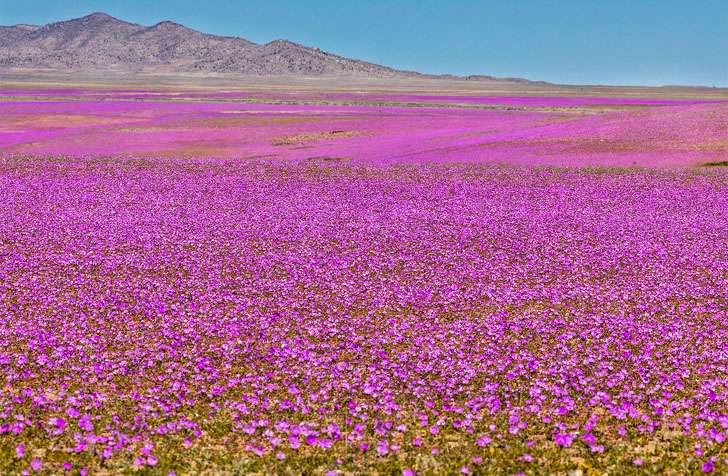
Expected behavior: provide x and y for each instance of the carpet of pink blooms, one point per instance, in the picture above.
(187, 315)
(369, 128)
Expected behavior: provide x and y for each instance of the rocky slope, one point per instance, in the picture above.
(99, 42)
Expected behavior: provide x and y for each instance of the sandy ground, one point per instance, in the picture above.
(350, 84)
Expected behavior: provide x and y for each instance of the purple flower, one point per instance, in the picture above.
(564, 439)
(85, 423)
(382, 448)
(484, 441)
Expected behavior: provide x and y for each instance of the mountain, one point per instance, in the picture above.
(99, 42)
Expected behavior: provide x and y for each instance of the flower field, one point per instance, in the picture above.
(366, 128)
(373, 290)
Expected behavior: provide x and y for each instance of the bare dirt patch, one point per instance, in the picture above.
(313, 137)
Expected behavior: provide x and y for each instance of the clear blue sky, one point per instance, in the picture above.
(648, 42)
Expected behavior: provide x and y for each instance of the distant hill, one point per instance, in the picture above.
(99, 42)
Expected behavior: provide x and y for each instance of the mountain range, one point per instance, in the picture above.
(100, 42)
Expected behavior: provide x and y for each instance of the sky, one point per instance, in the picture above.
(627, 42)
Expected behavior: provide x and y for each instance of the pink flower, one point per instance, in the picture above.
(382, 448)
(36, 464)
(59, 423)
(564, 439)
(597, 449)
(484, 441)
(408, 472)
(20, 451)
(708, 467)
(85, 423)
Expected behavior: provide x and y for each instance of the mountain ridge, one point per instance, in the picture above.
(99, 42)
